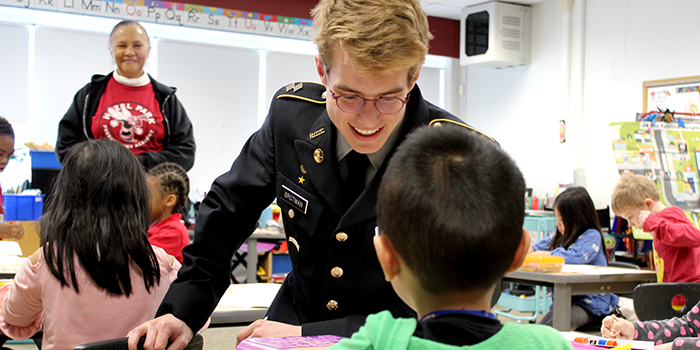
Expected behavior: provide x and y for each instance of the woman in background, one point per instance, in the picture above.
(130, 107)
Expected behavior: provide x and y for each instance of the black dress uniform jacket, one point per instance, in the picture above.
(336, 280)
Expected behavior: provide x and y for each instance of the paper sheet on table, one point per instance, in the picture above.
(592, 270)
(250, 295)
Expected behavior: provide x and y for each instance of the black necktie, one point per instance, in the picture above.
(355, 183)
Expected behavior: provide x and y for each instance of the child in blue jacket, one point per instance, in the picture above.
(578, 240)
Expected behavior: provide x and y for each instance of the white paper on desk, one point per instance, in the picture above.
(249, 295)
(592, 269)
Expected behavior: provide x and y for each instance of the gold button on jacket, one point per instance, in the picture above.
(341, 236)
(337, 272)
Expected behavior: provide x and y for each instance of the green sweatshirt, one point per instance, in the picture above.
(383, 331)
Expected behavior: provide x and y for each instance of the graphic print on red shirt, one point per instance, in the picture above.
(136, 125)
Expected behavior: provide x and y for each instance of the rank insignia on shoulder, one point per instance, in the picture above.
(294, 86)
(306, 91)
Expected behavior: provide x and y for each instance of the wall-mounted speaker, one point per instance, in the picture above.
(495, 35)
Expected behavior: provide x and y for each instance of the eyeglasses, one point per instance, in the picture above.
(354, 103)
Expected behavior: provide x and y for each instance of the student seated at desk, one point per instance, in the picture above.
(676, 241)
(579, 241)
(450, 215)
(96, 276)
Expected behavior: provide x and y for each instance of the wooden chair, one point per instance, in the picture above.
(197, 343)
(653, 301)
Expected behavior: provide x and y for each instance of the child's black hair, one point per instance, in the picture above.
(6, 127)
(173, 179)
(98, 215)
(451, 203)
(578, 214)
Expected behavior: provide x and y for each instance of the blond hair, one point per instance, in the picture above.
(631, 192)
(376, 36)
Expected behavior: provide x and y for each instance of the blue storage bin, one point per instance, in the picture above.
(22, 208)
(44, 160)
(281, 263)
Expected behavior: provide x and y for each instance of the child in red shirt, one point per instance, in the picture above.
(676, 241)
(169, 189)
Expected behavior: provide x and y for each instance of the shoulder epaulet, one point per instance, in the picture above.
(304, 90)
(437, 122)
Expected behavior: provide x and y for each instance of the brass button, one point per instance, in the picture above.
(290, 213)
(341, 236)
(337, 272)
(332, 305)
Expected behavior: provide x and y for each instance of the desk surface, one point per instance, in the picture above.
(580, 280)
(243, 304)
(586, 274)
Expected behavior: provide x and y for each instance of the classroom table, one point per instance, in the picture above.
(243, 304)
(579, 280)
(252, 259)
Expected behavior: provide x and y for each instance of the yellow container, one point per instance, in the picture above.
(542, 263)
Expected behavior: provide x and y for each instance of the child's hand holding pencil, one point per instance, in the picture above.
(617, 328)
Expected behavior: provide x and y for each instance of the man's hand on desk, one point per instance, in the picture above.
(265, 328)
(159, 332)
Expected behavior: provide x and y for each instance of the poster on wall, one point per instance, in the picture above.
(666, 153)
(675, 95)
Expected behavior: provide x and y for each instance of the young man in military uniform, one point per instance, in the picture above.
(321, 152)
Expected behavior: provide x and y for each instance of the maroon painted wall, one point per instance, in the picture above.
(445, 31)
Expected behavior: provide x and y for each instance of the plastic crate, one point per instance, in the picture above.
(44, 160)
(537, 304)
(22, 208)
(526, 304)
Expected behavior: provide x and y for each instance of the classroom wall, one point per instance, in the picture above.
(616, 46)
(225, 80)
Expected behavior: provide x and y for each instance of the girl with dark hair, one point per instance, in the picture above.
(96, 276)
(169, 189)
(579, 241)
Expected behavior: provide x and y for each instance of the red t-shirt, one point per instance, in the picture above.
(130, 115)
(170, 234)
(676, 246)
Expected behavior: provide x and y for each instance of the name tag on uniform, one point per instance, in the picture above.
(294, 199)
